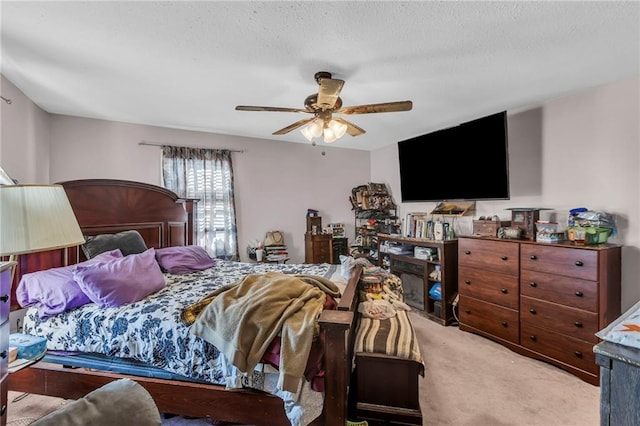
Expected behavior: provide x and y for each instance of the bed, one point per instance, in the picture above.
(108, 206)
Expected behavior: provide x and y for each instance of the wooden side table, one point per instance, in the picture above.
(619, 384)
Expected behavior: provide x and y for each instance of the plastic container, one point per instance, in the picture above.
(596, 235)
(545, 227)
(592, 234)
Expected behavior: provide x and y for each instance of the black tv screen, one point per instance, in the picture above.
(465, 162)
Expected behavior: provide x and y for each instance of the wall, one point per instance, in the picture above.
(276, 182)
(582, 150)
(24, 136)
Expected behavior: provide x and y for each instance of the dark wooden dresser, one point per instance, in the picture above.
(543, 300)
(318, 248)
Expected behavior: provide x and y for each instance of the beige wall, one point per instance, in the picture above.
(581, 150)
(24, 138)
(276, 182)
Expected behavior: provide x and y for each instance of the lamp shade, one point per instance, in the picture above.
(36, 218)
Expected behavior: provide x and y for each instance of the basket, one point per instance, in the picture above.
(597, 235)
(593, 234)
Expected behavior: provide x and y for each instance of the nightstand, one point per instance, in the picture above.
(5, 304)
(318, 248)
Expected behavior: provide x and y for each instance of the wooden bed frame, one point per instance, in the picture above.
(110, 206)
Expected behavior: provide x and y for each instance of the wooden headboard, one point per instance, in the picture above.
(108, 206)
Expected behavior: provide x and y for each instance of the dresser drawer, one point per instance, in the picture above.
(489, 255)
(323, 248)
(572, 322)
(573, 292)
(4, 349)
(493, 319)
(5, 293)
(491, 287)
(566, 261)
(568, 350)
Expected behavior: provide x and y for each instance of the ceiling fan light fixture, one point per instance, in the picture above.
(339, 129)
(313, 129)
(316, 127)
(329, 136)
(306, 132)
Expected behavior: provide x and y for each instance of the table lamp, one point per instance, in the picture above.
(36, 218)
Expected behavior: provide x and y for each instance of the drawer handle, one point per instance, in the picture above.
(3, 354)
(533, 311)
(4, 298)
(504, 258)
(504, 291)
(533, 257)
(467, 282)
(579, 263)
(578, 354)
(467, 252)
(579, 294)
(533, 284)
(467, 311)
(578, 324)
(533, 338)
(504, 323)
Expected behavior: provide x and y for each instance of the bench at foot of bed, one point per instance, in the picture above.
(385, 378)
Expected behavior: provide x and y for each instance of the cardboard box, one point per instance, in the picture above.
(488, 228)
(29, 347)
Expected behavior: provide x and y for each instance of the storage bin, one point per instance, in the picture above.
(597, 235)
(593, 234)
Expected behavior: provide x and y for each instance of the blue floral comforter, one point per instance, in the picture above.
(151, 330)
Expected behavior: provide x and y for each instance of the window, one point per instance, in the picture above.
(207, 175)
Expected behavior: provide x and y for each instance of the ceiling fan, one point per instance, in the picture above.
(323, 105)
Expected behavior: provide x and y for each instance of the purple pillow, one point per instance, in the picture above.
(117, 282)
(184, 259)
(54, 290)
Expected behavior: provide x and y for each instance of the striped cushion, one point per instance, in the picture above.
(393, 337)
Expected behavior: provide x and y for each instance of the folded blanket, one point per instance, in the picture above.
(242, 319)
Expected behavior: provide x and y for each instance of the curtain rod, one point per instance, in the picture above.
(162, 144)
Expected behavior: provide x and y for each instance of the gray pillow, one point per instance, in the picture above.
(121, 402)
(129, 242)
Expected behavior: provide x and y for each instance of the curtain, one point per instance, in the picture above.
(205, 174)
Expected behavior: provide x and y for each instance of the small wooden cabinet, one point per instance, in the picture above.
(419, 275)
(619, 384)
(543, 300)
(318, 248)
(5, 303)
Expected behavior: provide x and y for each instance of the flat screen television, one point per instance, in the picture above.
(465, 162)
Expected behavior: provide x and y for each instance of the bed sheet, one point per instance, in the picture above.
(625, 330)
(151, 331)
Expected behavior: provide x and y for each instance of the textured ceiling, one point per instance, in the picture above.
(188, 64)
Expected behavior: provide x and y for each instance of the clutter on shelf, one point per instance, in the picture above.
(375, 212)
(586, 226)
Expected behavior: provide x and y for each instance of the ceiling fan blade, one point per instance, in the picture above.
(371, 108)
(293, 126)
(352, 129)
(329, 92)
(267, 108)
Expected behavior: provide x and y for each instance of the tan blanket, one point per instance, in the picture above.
(241, 320)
